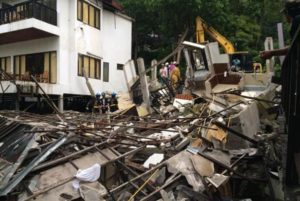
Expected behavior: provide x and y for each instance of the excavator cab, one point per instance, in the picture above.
(199, 60)
(196, 60)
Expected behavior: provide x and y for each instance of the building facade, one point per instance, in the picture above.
(55, 40)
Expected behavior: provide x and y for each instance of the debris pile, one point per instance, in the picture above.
(218, 140)
(195, 149)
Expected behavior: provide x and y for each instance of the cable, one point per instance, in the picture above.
(144, 184)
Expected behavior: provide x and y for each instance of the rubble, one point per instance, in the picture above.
(131, 150)
(209, 145)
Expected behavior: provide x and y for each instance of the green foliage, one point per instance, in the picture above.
(245, 23)
(277, 69)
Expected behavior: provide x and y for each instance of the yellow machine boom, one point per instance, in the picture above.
(202, 26)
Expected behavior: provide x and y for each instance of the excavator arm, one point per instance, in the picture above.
(202, 26)
(200, 37)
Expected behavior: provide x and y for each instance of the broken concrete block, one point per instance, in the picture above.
(204, 167)
(246, 122)
(181, 162)
(160, 177)
(167, 196)
(217, 180)
(91, 193)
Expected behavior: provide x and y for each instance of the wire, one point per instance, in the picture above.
(144, 184)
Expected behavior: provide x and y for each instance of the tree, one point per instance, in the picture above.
(158, 23)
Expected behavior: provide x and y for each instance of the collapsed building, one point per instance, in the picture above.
(219, 140)
(223, 138)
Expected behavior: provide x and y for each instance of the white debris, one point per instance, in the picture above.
(216, 108)
(154, 159)
(178, 103)
(90, 174)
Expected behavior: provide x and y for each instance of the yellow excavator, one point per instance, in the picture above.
(202, 27)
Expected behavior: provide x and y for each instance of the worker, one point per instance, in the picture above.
(89, 106)
(163, 72)
(94, 101)
(236, 65)
(113, 104)
(168, 69)
(175, 76)
(292, 13)
(104, 103)
(97, 103)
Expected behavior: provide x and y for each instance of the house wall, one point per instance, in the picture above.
(117, 50)
(112, 43)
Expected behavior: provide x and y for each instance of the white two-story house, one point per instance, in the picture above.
(54, 39)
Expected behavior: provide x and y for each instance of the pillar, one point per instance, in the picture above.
(144, 83)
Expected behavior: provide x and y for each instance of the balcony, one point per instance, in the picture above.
(27, 21)
(26, 10)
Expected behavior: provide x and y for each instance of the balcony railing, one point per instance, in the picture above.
(26, 77)
(26, 10)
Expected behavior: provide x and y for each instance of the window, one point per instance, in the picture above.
(43, 66)
(85, 12)
(5, 64)
(79, 10)
(88, 14)
(120, 66)
(91, 66)
(92, 16)
(35, 63)
(105, 72)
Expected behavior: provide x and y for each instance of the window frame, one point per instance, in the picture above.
(19, 57)
(6, 68)
(96, 61)
(97, 14)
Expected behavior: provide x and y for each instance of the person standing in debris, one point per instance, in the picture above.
(292, 13)
(89, 106)
(235, 65)
(113, 104)
(175, 76)
(97, 103)
(163, 72)
(104, 103)
(168, 69)
(94, 101)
